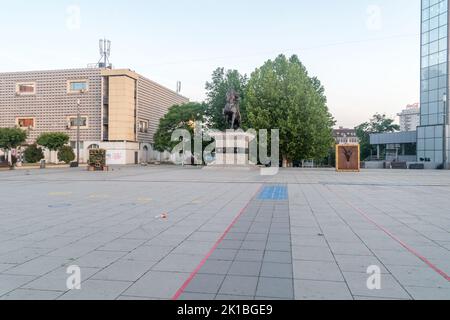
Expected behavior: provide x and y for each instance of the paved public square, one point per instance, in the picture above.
(168, 232)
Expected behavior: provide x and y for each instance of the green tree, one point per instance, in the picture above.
(216, 92)
(53, 141)
(282, 96)
(11, 138)
(378, 124)
(33, 154)
(66, 154)
(179, 117)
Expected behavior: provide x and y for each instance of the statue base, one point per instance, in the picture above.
(232, 149)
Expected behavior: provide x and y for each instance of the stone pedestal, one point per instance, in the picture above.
(232, 149)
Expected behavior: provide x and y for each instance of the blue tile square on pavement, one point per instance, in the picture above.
(277, 192)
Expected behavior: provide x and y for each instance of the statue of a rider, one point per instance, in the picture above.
(232, 110)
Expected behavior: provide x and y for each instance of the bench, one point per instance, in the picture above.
(399, 165)
(416, 166)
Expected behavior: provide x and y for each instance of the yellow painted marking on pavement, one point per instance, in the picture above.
(99, 196)
(144, 200)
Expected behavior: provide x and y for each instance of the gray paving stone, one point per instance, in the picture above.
(253, 245)
(250, 255)
(275, 287)
(22, 255)
(350, 248)
(57, 279)
(12, 282)
(205, 283)
(38, 266)
(278, 246)
(239, 285)
(236, 236)
(418, 276)
(224, 254)
(312, 254)
(33, 295)
(257, 237)
(230, 244)
(126, 245)
(98, 259)
(245, 268)
(276, 270)
(321, 290)
(215, 267)
(156, 284)
(227, 297)
(424, 293)
(97, 290)
(317, 270)
(390, 288)
(124, 270)
(178, 263)
(148, 253)
(278, 257)
(197, 296)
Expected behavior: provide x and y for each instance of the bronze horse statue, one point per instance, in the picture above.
(232, 110)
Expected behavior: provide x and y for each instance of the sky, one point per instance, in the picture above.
(365, 52)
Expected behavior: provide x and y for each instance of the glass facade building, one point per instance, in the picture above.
(434, 81)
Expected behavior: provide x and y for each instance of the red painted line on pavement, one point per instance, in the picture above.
(216, 245)
(403, 244)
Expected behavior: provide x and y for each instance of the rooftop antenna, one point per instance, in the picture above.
(178, 86)
(105, 53)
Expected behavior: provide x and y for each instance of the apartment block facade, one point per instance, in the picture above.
(410, 118)
(120, 109)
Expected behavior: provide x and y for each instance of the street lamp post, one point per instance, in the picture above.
(78, 131)
(78, 128)
(444, 137)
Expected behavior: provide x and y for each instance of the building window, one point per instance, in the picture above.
(143, 126)
(73, 145)
(28, 88)
(73, 122)
(25, 123)
(77, 86)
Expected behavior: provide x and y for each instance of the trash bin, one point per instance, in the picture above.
(42, 164)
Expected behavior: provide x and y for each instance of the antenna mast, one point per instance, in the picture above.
(105, 53)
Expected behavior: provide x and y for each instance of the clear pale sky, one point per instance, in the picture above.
(366, 53)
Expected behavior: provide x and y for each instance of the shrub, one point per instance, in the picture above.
(66, 154)
(33, 154)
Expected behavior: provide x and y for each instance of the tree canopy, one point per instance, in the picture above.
(216, 92)
(282, 96)
(53, 140)
(11, 138)
(179, 117)
(378, 124)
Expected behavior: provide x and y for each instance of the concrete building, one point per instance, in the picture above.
(397, 146)
(433, 132)
(410, 118)
(120, 109)
(345, 136)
